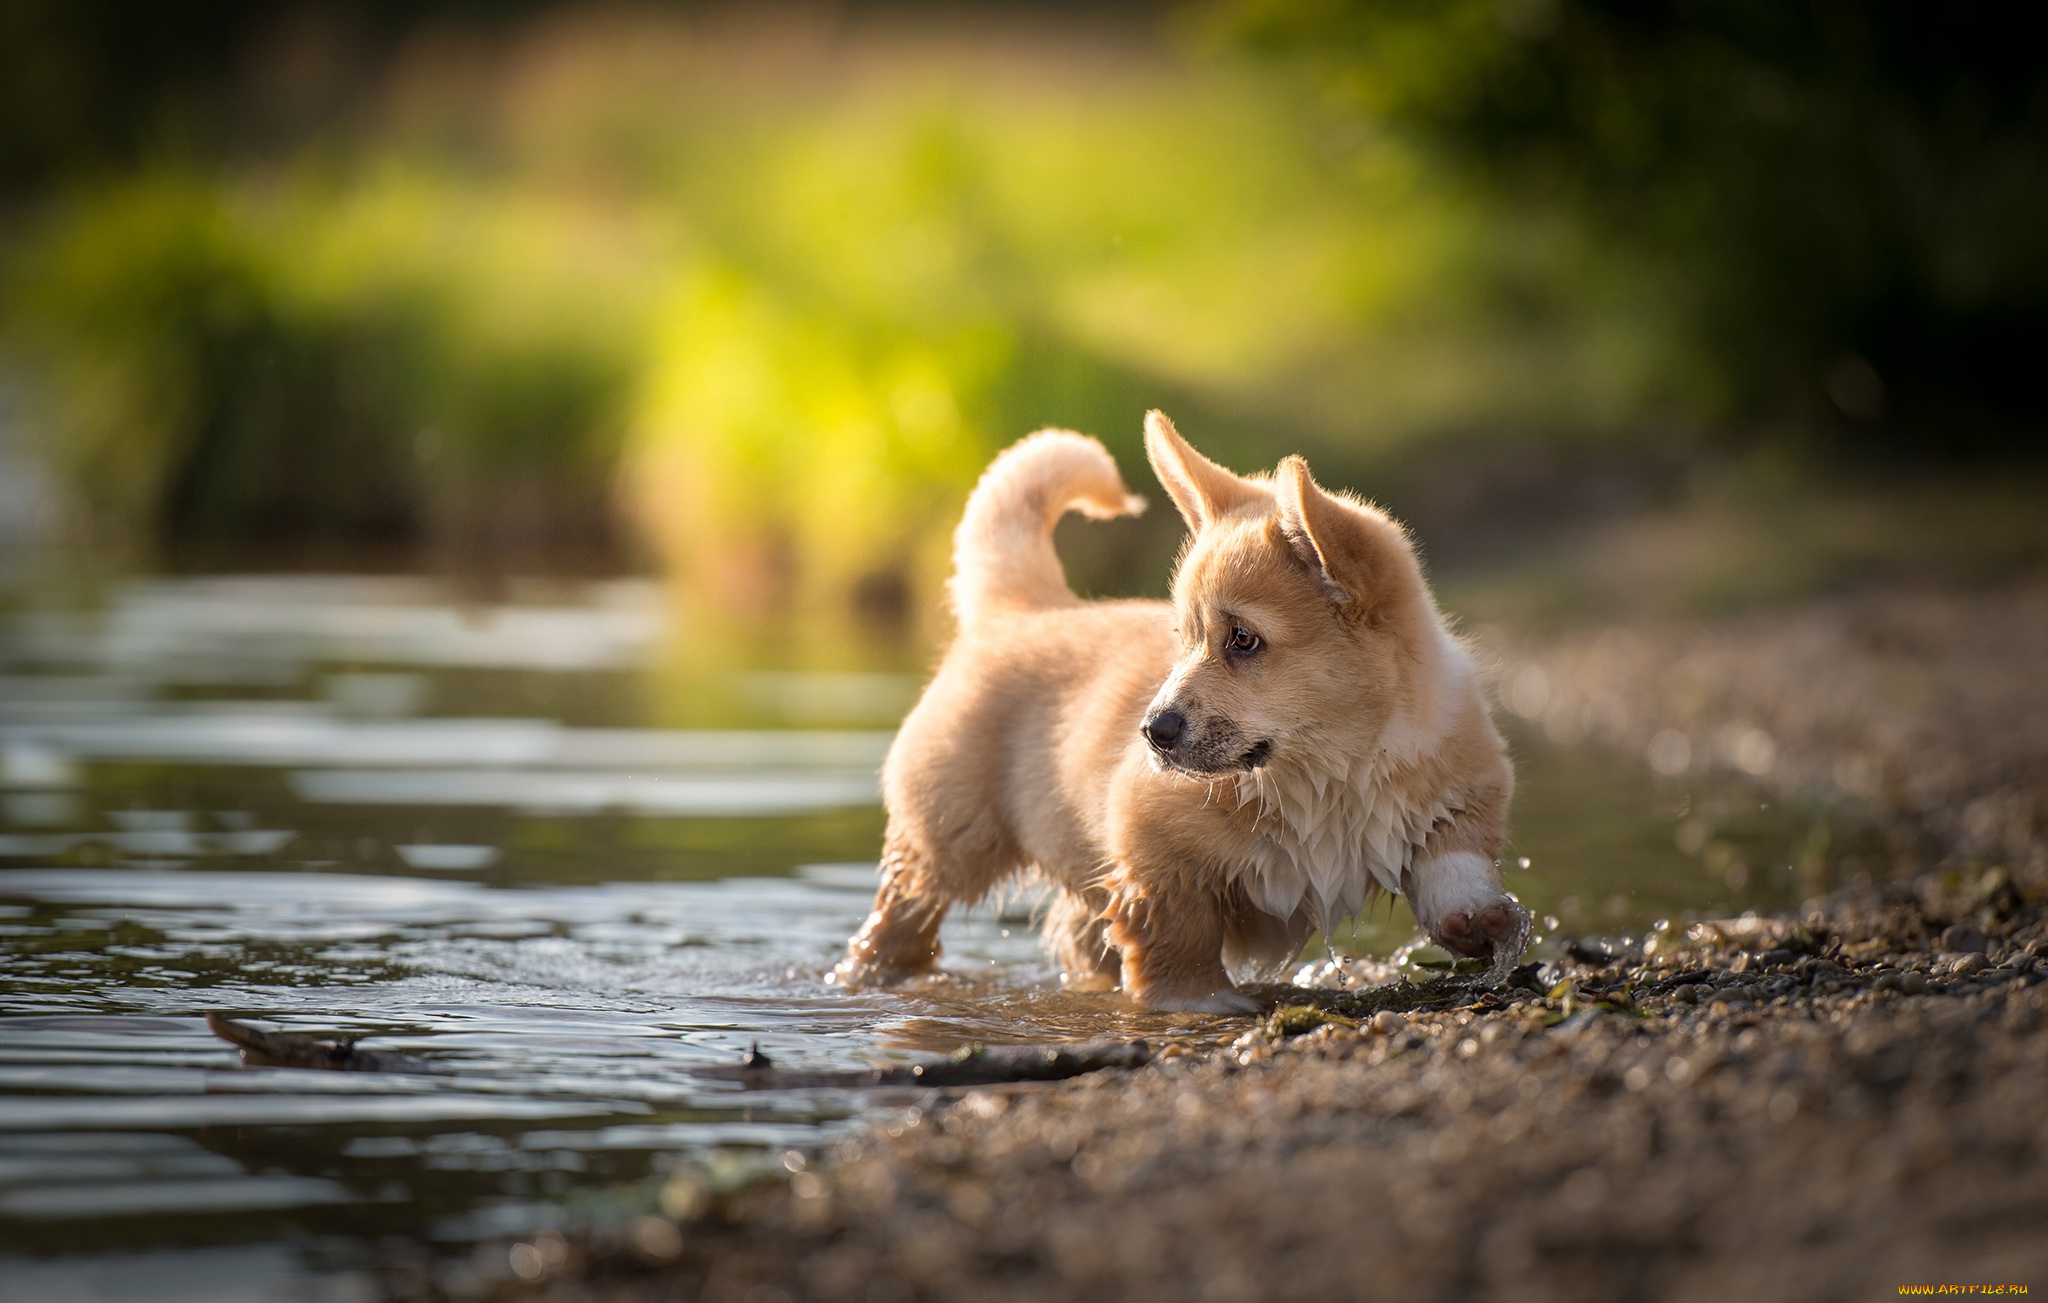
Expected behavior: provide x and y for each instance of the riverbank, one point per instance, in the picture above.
(1922, 712)
(1826, 1105)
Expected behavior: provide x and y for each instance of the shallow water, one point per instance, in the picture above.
(363, 807)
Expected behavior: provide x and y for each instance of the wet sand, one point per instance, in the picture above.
(1827, 1105)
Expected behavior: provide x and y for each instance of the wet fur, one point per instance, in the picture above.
(1351, 754)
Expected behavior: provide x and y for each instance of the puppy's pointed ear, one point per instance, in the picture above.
(1357, 556)
(1201, 489)
(1306, 517)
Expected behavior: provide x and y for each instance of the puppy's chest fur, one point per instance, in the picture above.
(1326, 834)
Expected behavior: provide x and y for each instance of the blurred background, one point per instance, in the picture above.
(1687, 304)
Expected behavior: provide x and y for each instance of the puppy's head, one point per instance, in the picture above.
(1305, 625)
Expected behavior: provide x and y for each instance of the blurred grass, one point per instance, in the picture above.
(774, 299)
(243, 362)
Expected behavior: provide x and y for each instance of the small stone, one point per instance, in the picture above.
(2019, 962)
(1886, 982)
(1913, 983)
(1687, 994)
(1730, 995)
(1964, 939)
(1970, 964)
(1386, 1022)
(1779, 956)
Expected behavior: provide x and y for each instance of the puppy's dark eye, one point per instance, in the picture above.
(1244, 642)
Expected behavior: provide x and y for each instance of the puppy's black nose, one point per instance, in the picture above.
(1163, 730)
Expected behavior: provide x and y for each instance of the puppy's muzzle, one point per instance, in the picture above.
(1164, 729)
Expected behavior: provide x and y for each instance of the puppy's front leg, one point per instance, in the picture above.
(1171, 936)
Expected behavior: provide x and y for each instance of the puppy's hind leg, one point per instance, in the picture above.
(1077, 934)
(901, 936)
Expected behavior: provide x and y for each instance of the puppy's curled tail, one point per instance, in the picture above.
(1002, 552)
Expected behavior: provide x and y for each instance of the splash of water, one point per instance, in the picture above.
(1507, 955)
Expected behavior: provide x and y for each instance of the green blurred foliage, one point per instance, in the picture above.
(1847, 200)
(784, 298)
(308, 360)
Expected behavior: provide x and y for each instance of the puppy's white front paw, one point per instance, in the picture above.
(1484, 934)
(1224, 1000)
(1458, 900)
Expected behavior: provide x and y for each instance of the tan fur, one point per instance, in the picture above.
(1350, 752)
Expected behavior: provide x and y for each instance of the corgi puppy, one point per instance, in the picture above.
(1206, 781)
